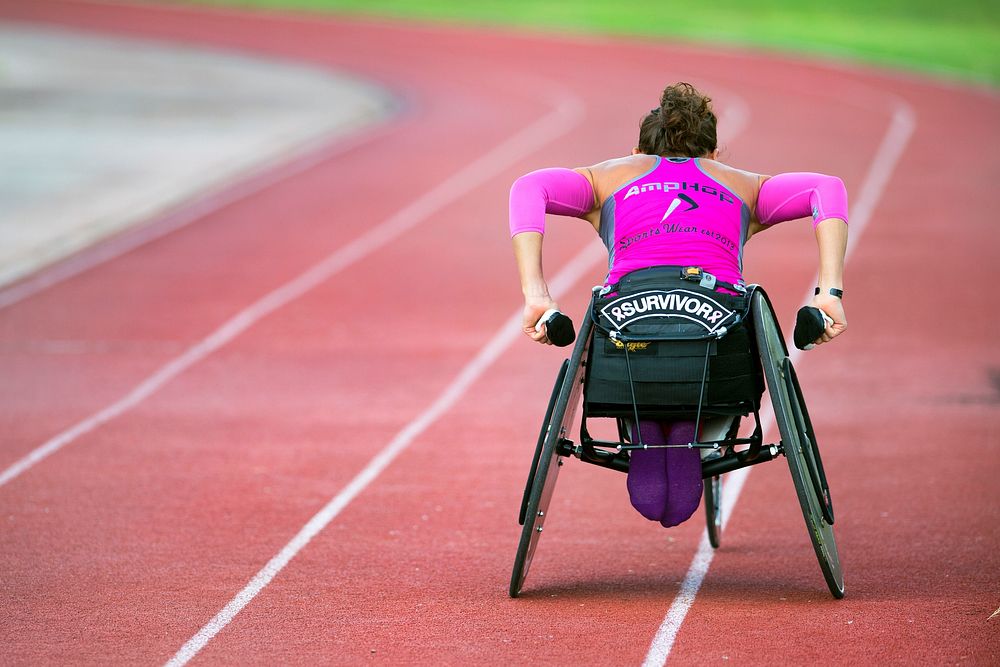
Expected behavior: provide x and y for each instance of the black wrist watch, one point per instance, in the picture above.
(839, 293)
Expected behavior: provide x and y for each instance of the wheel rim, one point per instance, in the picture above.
(810, 447)
(538, 509)
(553, 397)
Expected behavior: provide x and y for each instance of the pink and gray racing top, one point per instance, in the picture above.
(675, 214)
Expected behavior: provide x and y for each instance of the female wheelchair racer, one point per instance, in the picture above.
(672, 204)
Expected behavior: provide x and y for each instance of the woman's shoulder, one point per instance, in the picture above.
(640, 162)
(746, 184)
(608, 176)
(714, 167)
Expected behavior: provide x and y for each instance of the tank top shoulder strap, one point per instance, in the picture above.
(656, 165)
(727, 180)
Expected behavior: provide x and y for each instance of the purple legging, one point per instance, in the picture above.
(665, 484)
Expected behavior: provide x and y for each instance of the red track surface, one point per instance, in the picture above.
(120, 546)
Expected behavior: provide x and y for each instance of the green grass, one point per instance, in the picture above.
(956, 39)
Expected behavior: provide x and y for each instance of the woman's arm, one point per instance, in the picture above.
(824, 198)
(831, 237)
(559, 191)
(528, 253)
(801, 194)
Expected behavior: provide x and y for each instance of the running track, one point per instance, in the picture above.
(204, 444)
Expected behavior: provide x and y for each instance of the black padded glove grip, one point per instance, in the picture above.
(560, 330)
(809, 326)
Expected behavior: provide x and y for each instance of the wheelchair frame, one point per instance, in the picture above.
(798, 445)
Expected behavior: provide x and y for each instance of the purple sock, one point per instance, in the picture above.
(665, 484)
(683, 472)
(647, 488)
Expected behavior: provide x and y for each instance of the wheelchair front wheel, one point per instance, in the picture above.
(713, 509)
(789, 408)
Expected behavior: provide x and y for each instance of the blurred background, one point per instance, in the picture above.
(958, 39)
(102, 133)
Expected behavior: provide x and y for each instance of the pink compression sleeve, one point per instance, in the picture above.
(797, 195)
(559, 191)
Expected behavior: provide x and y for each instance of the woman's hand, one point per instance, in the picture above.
(534, 308)
(834, 309)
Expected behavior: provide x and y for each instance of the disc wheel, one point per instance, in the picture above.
(713, 509)
(545, 467)
(541, 440)
(791, 416)
(810, 448)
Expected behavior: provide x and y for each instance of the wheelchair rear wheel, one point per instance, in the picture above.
(791, 416)
(541, 440)
(713, 509)
(548, 460)
(810, 448)
(543, 476)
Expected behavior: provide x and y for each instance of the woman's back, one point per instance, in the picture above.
(679, 211)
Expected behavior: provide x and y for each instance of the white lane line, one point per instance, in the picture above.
(509, 332)
(568, 113)
(901, 128)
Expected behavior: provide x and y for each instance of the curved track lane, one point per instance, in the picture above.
(123, 543)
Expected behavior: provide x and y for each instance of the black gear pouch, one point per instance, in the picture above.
(652, 334)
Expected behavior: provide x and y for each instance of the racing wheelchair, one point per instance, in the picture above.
(664, 344)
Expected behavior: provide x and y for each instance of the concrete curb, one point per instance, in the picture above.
(101, 133)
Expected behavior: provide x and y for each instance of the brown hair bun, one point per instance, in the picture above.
(682, 126)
